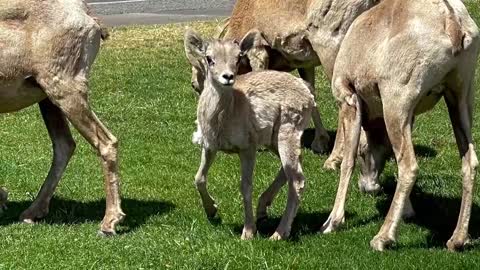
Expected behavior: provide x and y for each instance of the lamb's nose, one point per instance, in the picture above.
(228, 76)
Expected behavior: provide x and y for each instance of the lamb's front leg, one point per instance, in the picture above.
(208, 202)
(247, 160)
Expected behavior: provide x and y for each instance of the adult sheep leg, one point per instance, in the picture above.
(351, 112)
(399, 127)
(460, 109)
(63, 148)
(373, 152)
(269, 194)
(70, 95)
(320, 142)
(336, 156)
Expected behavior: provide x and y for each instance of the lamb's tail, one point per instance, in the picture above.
(460, 39)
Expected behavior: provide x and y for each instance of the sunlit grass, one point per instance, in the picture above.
(140, 88)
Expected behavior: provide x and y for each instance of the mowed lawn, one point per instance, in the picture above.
(140, 88)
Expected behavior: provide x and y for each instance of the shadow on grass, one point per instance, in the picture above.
(438, 214)
(303, 224)
(309, 134)
(69, 212)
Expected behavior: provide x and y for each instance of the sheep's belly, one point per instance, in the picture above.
(427, 102)
(16, 95)
(265, 136)
(240, 141)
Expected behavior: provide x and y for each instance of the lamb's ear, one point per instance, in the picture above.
(194, 46)
(252, 39)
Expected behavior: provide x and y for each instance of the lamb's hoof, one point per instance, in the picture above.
(331, 163)
(369, 187)
(380, 243)
(320, 145)
(33, 213)
(457, 244)
(103, 233)
(276, 236)
(332, 225)
(248, 234)
(211, 211)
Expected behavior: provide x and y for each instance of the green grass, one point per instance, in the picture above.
(140, 88)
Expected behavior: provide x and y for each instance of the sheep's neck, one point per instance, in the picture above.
(214, 110)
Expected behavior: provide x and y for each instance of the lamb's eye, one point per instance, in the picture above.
(210, 61)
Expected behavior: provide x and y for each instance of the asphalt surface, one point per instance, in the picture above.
(126, 12)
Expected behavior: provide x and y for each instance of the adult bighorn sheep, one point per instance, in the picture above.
(396, 61)
(238, 114)
(46, 51)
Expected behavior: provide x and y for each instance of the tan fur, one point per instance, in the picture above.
(46, 51)
(239, 114)
(391, 70)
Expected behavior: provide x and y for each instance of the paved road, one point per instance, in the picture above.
(125, 12)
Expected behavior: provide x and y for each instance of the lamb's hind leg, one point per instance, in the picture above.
(269, 194)
(289, 143)
(320, 142)
(460, 108)
(63, 148)
(70, 95)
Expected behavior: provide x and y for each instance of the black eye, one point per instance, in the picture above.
(210, 61)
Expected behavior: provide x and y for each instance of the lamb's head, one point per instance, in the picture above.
(217, 60)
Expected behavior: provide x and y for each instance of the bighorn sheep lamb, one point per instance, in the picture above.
(398, 60)
(238, 114)
(46, 51)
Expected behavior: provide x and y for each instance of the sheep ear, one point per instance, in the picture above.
(252, 39)
(194, 46)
